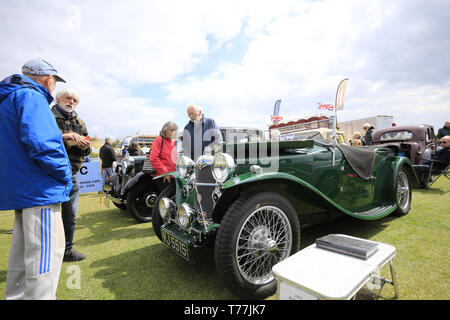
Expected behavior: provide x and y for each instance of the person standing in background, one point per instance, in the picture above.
(369, 131)
(163, 156)
(135, 150)
(74, 134)
(108, 156)
(444, 131)
(200, 132)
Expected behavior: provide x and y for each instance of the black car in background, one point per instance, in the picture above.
(132, 187)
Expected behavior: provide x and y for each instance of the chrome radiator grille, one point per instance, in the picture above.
(204, 195)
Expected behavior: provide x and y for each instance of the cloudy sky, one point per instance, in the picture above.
(139, 63)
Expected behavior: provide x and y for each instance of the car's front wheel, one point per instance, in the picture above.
(141, 200)
(257, 232)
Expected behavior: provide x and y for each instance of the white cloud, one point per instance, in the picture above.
(301, 58)
(395, 53)
(104, 48)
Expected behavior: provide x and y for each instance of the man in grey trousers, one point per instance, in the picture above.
(36, 177)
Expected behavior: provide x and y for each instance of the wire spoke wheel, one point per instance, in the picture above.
(258, 230)
(264, 239)
(403, 191)
(403, 194)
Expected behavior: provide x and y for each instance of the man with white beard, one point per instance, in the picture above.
(74, 135)
(199, 133)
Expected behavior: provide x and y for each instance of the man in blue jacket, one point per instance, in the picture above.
(35, 177)
(199, 133)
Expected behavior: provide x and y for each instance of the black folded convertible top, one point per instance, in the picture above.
(360, 159)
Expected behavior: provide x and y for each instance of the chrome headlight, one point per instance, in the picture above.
(184, 214)
(223, 167)
(185, 166)
(165, 205)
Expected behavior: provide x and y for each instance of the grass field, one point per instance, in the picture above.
(127, 261)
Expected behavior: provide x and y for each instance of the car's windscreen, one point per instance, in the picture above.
(396, 135)
(307, 135)
(230, 136)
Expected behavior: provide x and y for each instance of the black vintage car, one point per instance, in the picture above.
(132, 187)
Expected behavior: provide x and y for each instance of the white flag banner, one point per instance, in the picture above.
(340, 94)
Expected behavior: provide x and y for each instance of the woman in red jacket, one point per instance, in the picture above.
(163, 154)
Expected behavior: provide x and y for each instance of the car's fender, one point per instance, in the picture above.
(140, 176)
(172, 173)
(132, 182)
(405, 163)
(251, 178)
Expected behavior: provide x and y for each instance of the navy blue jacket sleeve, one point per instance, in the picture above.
(213, 133)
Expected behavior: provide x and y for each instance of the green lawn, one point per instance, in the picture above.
(127, 261)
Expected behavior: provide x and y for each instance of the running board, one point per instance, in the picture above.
(378, 211)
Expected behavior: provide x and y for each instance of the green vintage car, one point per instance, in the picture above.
(251, 200)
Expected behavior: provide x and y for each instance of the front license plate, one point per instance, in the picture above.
(180, 247)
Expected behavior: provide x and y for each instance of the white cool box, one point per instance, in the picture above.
(316, 273)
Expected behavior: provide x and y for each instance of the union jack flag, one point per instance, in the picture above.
(324, 106)
(276, 119)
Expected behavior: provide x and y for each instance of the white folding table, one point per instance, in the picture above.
(316, 273)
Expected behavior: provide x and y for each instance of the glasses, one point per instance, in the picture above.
(444, 142)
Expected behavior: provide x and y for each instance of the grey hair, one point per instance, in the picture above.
(166, 127)
(196, 107)
(68, 92)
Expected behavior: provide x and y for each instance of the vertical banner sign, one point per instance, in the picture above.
(89, 177)
(339, 105)
(276, 108)
(340, 94)
(276, 111)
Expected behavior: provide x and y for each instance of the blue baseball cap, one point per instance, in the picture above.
(39, 67)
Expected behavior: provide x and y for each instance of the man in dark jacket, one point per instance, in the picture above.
(369, 131)
(108, 156)
(443, 154)
(74, 134)
(199, 133)
(444, 131)
(35, 178)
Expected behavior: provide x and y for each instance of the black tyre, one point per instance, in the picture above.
(141, 199)
(403, 194)
(157, 221)
(258, 231)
